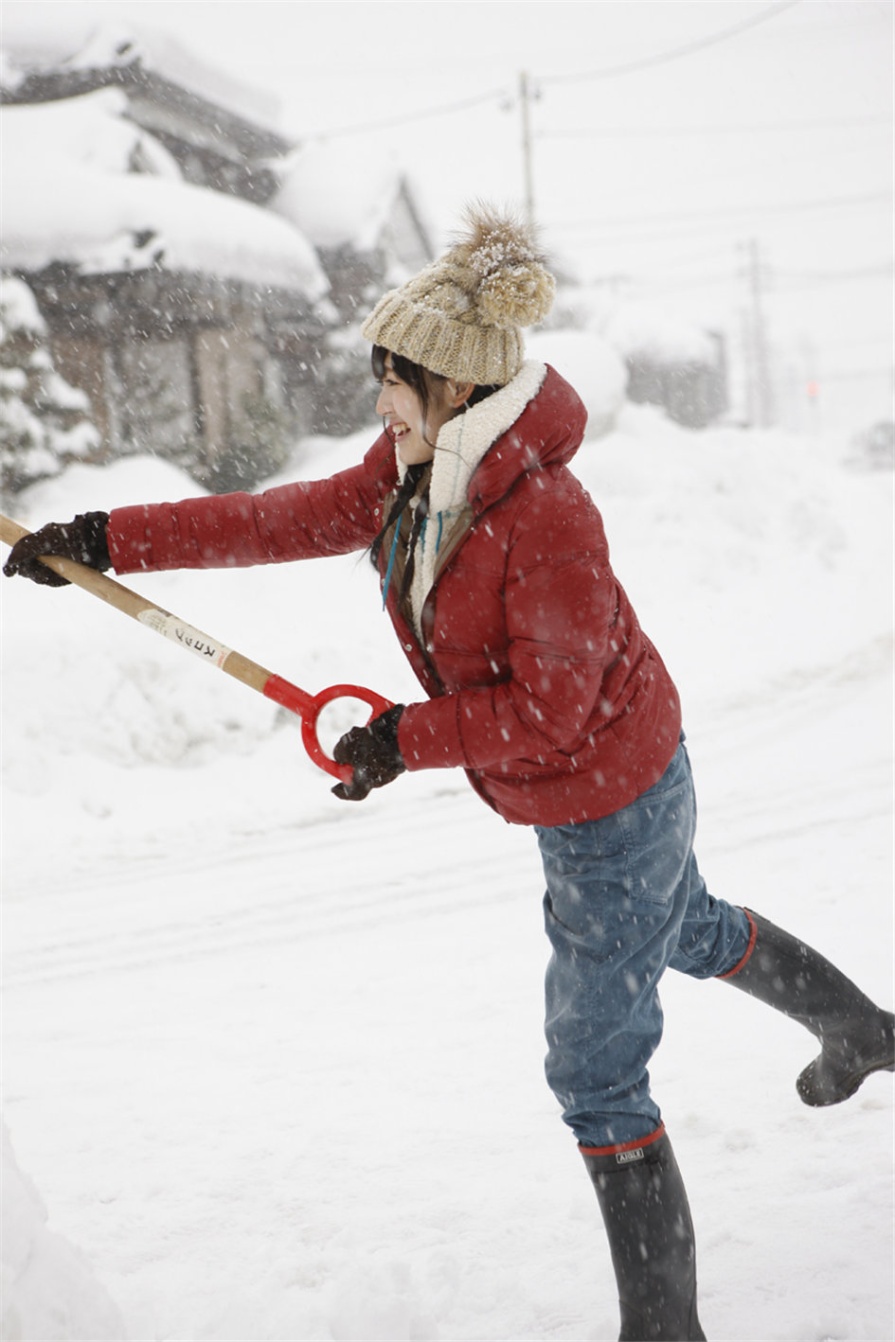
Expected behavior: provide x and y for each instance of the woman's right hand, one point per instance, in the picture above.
(82, 539)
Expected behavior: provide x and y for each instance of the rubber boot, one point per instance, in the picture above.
(857, 1037)
(647, 1219)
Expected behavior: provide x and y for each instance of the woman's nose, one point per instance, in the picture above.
(382, 402)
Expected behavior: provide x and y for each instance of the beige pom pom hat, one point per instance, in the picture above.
(461, 316)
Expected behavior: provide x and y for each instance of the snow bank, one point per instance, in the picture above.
(49, 1290)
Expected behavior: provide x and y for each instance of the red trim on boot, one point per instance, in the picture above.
(625, 1146)
(741, 964)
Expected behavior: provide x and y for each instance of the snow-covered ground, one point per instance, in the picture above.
(273, 1063)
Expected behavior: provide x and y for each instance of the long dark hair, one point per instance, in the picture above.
(406, 492)
(420, 380)
(423, 382)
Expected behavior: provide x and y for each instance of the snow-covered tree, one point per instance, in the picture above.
(44, 421)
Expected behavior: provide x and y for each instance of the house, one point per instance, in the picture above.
(137, 204)
(134, 209)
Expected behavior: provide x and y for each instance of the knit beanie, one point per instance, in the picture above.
(461, 316)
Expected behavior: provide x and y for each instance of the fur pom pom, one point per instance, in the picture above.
(507, 275)
(517, 295)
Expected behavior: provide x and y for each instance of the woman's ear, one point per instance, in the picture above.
(458, 393)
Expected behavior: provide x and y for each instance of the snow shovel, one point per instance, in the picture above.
(307, 706)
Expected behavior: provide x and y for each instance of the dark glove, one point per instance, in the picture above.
(83, 539)
(373, 754)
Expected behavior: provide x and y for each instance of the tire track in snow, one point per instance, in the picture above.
(316, 884)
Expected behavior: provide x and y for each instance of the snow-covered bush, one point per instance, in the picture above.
(873, 449)
(44, 421)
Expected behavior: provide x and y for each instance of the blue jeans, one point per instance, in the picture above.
(624, 901)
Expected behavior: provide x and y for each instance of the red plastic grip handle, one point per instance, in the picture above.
(309, 708)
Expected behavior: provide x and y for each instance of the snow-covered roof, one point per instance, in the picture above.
(68, 196)
(73, 44)
(92, 131)
(338, 194)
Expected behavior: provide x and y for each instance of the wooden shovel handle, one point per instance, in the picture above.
(307, 706)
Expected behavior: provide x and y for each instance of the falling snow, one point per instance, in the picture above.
(274, 1065)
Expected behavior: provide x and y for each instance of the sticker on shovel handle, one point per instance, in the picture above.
(178, 631)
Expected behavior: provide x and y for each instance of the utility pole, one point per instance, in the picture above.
(525, 96)
(760, 398)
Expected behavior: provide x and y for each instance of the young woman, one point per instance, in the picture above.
(541, 684)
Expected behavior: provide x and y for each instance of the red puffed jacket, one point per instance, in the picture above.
(541, 684)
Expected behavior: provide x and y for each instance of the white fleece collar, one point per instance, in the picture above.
(460, 447)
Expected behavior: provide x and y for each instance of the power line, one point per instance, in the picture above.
(793, 207)
(688, 286)
(676, 53)
(408, 118)
(714, 231)
(857, 374)
(503, 97)
(778, 282)
(673, 132)
(698, 258)
(861, 344)
(792, 281)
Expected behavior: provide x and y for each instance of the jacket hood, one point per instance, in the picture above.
(536, 420)
(541, 425)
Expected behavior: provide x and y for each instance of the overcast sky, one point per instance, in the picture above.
(665, 136)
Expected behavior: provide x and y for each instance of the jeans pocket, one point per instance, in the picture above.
(659, 830)
(586, 870)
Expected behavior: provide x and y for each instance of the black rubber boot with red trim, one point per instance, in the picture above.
(647, 1218)
(857, 1037)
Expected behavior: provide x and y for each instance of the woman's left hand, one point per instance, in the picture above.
(82, 539)
(373, 754)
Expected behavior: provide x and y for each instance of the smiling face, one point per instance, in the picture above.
(402, 409)
(413, 426)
